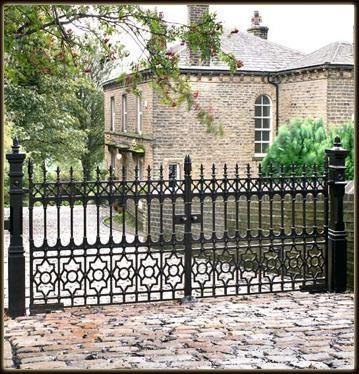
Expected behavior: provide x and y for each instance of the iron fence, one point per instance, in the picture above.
(193, 237)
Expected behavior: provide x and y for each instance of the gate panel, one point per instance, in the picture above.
(172, 238)
(147, 240)
(271, 250)
(119, 259)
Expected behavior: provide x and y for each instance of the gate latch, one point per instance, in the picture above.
(181, 219)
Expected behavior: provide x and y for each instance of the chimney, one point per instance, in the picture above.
(195, 16)
(256, 29)
(158, 40)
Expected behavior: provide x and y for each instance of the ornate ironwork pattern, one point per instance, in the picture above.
(161, 239)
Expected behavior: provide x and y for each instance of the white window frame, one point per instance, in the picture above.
(262, 129)
(178, 171)
(139, 164)
(113, 160)
(124, 112)
(113, 112)
(139, 110)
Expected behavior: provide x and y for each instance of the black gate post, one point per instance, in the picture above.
(187, 230)
(337, 245)
(16, 258)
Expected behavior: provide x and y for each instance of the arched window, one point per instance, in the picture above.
(262, 124)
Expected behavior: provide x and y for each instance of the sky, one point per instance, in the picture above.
(300, 26)
(304, 27)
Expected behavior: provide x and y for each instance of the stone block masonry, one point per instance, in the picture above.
(323, 93)
(178, 132)
(169, 133)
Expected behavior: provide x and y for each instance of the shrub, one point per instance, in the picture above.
(346, 134)
(303, 142)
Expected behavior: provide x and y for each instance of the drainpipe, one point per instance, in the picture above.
(276, 102)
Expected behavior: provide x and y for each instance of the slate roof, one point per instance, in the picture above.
(337, 53)
(260, 54)
(256, 53)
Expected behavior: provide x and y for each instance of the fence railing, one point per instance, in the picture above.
(292, 182)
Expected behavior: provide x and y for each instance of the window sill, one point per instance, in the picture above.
(128, 134)
(258, 157)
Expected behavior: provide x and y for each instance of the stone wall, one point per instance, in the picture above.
(340, 97)
(303, 95)
(178, 132)
(322, 93)
(258, 218)
(172, 132)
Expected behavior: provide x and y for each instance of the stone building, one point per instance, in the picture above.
(275, 84)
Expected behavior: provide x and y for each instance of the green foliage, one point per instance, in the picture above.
(130, 222)
(57, 44)
(346, 134)
(303, 142)
(44, 120)
(300, 142)
(56, 56)
(7, 147)
(59, 118)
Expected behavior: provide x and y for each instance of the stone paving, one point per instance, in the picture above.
(273, 331)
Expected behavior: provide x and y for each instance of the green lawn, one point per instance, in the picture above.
(130, 222)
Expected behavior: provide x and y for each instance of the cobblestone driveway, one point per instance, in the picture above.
(273, 331)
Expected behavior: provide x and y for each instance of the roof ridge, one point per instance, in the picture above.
(336, 51)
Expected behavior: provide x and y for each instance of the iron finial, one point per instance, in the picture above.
(15, 145)
(337, 141)
(187, 165)
(201, 171)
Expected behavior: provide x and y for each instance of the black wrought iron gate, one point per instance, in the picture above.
(110, 240)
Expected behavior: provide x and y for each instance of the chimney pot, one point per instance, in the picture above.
(256, 29)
